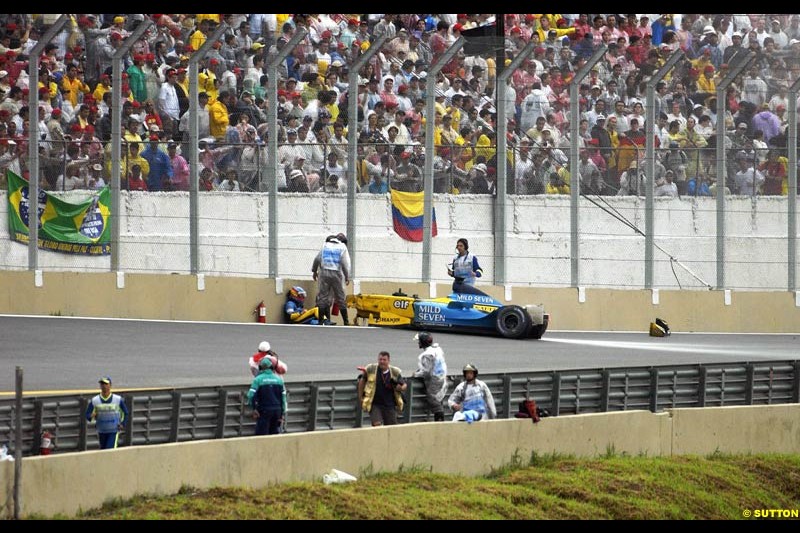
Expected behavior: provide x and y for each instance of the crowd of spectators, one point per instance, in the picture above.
(73, 121)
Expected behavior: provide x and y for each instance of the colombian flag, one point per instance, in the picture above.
(407, 209)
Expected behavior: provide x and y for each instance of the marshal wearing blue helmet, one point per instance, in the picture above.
(294, 309)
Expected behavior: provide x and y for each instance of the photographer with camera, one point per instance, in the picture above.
(379, 389)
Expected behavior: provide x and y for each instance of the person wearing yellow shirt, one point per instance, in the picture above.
(102, 88)
(485, 146)
(200, 35)
(439, 107)
(207, 82)
(133, 157)
(218, 118)
(72, 85)
(556, 185)
(706, 83)
(210, 18)
(51, 86)
(545, 25)
(131, 133)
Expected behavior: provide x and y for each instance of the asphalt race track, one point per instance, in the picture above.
(70, 354)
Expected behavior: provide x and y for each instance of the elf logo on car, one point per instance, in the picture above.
(401, 304)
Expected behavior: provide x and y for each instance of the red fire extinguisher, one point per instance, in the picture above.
(46, 446)
(261, 312)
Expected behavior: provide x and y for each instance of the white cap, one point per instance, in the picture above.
(709, 29)
(264, 346)
(3, 73)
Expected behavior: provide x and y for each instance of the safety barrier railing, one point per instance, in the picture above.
(181, 415)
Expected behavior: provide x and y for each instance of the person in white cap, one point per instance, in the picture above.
(95, 180)
(777, 34)
(265, 350)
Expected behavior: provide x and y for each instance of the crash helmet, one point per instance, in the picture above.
(297, 293)
(425, 339)
(265, 364)
(264, 346)
(468, 367)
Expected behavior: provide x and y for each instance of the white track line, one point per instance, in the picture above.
(671, 347)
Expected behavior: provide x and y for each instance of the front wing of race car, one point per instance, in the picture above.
(478, 313)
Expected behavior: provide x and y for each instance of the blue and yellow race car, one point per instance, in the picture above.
(473, 311)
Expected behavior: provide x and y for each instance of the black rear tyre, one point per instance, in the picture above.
(537, 331)
(513, 322)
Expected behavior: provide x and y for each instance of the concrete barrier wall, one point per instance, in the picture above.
(765, 428)
(234, 238)
(69, 482)
(228, 299)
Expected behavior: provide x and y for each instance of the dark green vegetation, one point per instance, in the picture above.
(622, 488)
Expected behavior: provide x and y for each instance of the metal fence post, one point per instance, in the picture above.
(272, 145)
(701, 386)
(359, 422)
(408, 410)
(650, 157)
(194, 162)
(36, 429)
(18, 442)
(83, 404)
(605, 391)
(352, 147)
(430, 112)
(743, 60)
(654, 390)
(792, 197)
(506, 405)
(574, 181)
(500, 213)
(222, 408)
(313, 406)
(555, 400)
(750, 372)
(175, 418)
(128, 437)
(33, 146)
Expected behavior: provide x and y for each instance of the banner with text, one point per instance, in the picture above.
(76, 228)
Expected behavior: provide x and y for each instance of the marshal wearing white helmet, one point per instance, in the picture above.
(472, 400)
(265, 351)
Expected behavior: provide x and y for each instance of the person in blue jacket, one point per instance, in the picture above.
(267, 397)
(464, 268)
(109, 413)
(294, 309)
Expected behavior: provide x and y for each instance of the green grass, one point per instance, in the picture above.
(717, 487)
